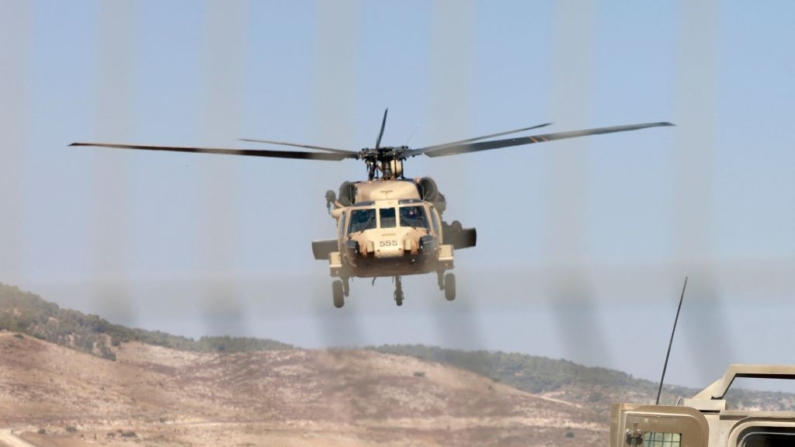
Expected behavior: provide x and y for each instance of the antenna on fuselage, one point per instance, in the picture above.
(670, 343)
(408, 140)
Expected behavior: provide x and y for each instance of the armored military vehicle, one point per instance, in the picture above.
(705, 420)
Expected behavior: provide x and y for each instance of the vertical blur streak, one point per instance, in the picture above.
(693, 160)
(335, 74)
(452, 62)
(566, 244)
(334, 102)
(222, 77)
(117, 26)
(15, 46)
(116, 36)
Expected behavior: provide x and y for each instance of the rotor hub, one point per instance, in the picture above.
(384, 163)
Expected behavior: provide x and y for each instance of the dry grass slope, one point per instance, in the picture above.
(289, 397)
(78, 380)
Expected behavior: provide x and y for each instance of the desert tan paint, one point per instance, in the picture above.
(399, 245)
(705, 421)
(386, 190)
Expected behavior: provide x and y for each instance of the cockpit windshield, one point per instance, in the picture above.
(388, 219)
(362, 220)
(409, 216)
(413, 216)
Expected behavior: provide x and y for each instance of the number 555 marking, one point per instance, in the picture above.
(387, 244)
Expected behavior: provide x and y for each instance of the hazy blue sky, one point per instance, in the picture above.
(583, 244)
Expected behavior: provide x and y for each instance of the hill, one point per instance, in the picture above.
(77, 377)
(157, 396)
(594, 388)
(29, 314)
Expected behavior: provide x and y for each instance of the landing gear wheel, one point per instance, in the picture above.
(449, 286)
(336, 291)
(398, 291)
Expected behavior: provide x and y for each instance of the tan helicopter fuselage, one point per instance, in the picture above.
(389, 231)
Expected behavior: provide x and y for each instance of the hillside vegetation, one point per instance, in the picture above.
(29, 314)
(594, 388)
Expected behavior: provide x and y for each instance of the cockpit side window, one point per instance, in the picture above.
(435, 221)
(413, 216)
(362, 220)
(388, 219)
(343, 221)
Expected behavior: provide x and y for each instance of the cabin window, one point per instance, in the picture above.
(413, 216)
(387, 216)
(362, 220)
(657, 439)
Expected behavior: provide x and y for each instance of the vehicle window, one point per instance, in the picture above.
(767, 439)
(343, 221)
(435, 221)
(413, 216)
(656, 439)
(387, 216)
(362, 220)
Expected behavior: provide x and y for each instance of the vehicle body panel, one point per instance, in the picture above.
(705, 420)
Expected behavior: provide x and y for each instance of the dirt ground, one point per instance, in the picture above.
(155, 396)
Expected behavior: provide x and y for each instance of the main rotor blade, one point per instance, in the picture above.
(471, 140)
(306, 146)
(509, 142)
(381, 134)
(224, 151)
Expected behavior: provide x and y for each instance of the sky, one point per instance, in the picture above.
(583, 244)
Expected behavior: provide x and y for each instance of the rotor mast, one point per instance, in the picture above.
(388, 160)
(384, 163)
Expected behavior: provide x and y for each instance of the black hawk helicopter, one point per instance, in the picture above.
(390, 225)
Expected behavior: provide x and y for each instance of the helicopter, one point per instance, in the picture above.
(390, 225)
